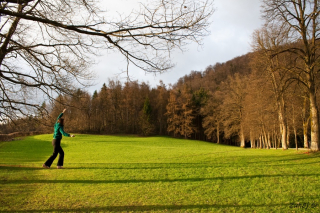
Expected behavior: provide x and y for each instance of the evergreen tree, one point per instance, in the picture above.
(146, 125)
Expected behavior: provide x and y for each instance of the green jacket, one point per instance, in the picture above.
(58, 129)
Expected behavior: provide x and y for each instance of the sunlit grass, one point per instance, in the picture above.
(155, 174)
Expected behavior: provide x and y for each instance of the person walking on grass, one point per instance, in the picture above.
(56, 143)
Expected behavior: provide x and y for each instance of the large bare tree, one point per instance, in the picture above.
(46, 45)
(235, 89)
(301, 19)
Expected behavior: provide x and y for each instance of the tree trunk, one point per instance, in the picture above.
(260, 142)
(265, 144)
(218, 133)
(288, 136)
(253, 145)
(314, 122)
(305, 135)
(295, 137)
(283, 131)
(305, 120)
(283, 126)
(274, 136)
(269, 142)
(242, 141)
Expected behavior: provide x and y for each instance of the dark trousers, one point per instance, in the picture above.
(56, 150)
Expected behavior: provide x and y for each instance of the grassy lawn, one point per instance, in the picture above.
(155, 174)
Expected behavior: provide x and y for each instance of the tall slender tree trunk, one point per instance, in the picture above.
(282, 121)
(295, 137)
(265, 144)
(288, 136)
(218, 133)
(269, 142)
(305, 135)
(242, 141)
(311, 60)
(283, 131)
(260, 141)
(279, 140)
(305, 125)
(275, 140)
(294, 128)
(253, 145)
(314, 121)
(305, 121)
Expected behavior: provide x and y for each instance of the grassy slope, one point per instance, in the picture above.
(157, 174)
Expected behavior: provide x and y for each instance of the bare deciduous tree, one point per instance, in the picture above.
(301, 19)
(45, 45)
(233, 107)
(212, 121)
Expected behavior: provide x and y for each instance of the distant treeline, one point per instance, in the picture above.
(230, 103)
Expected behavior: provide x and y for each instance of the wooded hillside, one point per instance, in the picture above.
(231, 103)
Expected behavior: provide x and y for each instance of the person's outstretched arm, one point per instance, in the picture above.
(64, 133)
(61, 114)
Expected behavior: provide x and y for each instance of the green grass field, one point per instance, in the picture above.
(155, 174)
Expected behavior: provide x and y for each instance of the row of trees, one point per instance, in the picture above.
(129, 108)
(231, 103)
(243, 108)
(267, 97)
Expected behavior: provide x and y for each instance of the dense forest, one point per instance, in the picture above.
(230, 103)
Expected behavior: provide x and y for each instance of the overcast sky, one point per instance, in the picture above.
(233, 23)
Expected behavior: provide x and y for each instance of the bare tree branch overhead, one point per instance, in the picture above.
(47, 45)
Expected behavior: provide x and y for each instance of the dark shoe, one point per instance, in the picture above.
(60, 167)
(45, 166)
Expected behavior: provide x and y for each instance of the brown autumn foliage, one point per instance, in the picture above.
(230, 103)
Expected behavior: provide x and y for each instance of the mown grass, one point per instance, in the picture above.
(155, 174)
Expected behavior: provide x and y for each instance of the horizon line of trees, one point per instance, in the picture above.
(230, 103)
